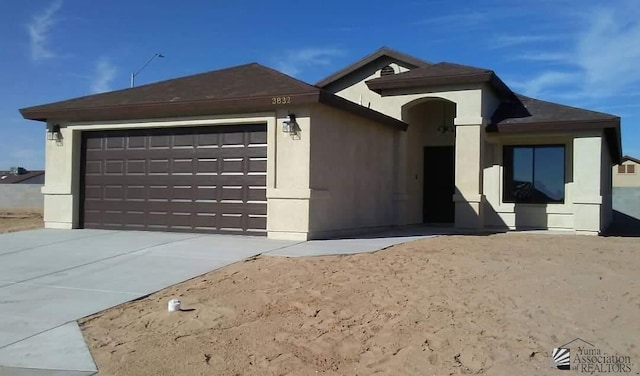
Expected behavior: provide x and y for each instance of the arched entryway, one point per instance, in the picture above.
(430, 154)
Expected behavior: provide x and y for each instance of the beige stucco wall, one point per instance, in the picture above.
(353, 87)
(61, 187)
(606, 211)
(288, 192)
(587, 205)
(287, 167)
(352, 173)
(474, 106)
(626, 180)
(479, 171)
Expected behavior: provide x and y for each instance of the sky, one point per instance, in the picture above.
(583, 53)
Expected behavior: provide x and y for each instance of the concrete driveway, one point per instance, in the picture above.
(51, 278)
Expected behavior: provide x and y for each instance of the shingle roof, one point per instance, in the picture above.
(250, 87)
(6, 177)
(632, 159)
(533, 115)
(250, 80)
(440, 74)
(530, 110)
(409, 60)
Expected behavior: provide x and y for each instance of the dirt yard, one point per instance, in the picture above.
(453, 305)
(19, 220)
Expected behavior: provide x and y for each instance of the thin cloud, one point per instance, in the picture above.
(545, 82)
(39, 30)
(609, 50)
(465, 20)
(294, 62)
(601, 62)
(508, 41)
(105, 73)
(545, 57)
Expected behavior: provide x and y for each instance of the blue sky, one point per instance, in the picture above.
(584, 53)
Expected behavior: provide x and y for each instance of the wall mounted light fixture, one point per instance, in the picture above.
(290, 126)
(53, 133)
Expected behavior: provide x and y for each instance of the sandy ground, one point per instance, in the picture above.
(453, 305)
(19, 220)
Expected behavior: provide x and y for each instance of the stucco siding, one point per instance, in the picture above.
(627, 179)
(503, 215)
(352, 173)
(606, 211)
(354, 88)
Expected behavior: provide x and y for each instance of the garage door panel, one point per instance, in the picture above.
(115, 143)
(162, 180)
(256, 193)
(259, 138)
(209, 179)
(136, 166)
(233, 208)
(205, 220)
(159, 142)
(257, 222)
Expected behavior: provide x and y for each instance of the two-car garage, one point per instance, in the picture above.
(198, 179)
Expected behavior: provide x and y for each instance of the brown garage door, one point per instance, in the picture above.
(203, 179)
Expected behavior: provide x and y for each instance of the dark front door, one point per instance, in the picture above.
(439, 184)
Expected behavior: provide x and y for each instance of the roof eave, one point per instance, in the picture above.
(378, 85)
(164, 109)
(611, 128)
(344, 104)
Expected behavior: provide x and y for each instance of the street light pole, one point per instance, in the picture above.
(133, 75)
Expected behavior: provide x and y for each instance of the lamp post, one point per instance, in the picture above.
(133, 75)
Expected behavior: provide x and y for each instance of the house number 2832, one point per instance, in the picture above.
(280, 100)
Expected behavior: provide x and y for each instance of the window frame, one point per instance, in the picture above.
(508, 173)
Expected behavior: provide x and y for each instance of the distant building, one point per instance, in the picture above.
(627, 173)
(19, 175)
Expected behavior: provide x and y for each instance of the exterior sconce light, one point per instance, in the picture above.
(54, 133)
(289, 126)
(446, 128)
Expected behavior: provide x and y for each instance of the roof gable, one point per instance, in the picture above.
(627, 158)
(384, 52)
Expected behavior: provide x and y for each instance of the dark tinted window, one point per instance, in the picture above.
(534, 174)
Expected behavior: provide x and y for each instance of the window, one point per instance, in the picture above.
(628, 169)
(534, 174)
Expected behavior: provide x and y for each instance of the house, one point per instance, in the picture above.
(19, 175)
(627, 173)
(390, 140)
